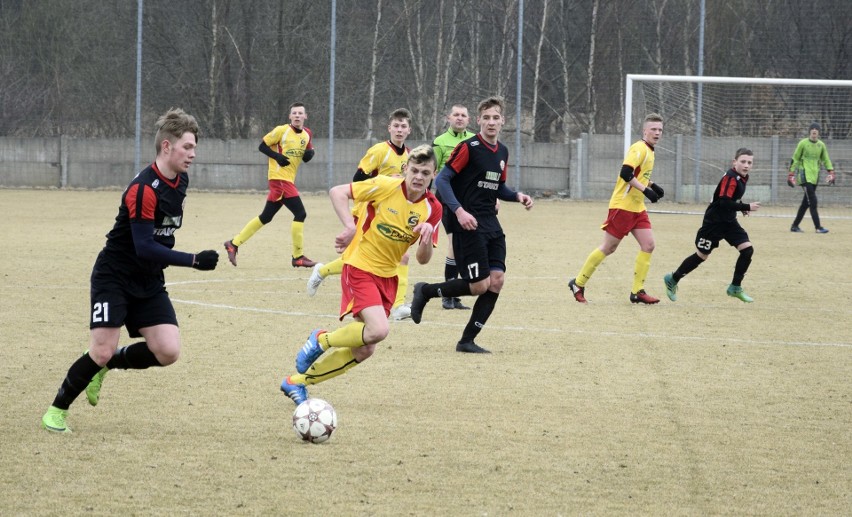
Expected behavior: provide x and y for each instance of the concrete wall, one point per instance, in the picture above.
(226, 165)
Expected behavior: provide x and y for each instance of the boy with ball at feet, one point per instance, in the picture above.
(397, 213)
(720, 222)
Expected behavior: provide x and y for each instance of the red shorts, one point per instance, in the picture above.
(362, 289)
(280, 189)
(621, 222)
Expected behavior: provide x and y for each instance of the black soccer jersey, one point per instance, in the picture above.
(726, 199)
(150, 197)
(479, 169)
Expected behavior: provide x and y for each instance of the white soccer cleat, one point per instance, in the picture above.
(402, 312)
(315, 280)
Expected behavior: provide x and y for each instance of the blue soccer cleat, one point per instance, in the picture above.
(309, 352)
(297, 392)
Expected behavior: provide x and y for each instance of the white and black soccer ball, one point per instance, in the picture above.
(314, 420)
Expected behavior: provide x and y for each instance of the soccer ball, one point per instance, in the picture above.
(314, 420)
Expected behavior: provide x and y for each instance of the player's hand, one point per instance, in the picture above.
(343, 239)
(830, 178)
(657, 190)
(651, 195)
(282, 160)
(791, 180)
(466, 221)
(525, 200)
(425, 230)
(205, 260)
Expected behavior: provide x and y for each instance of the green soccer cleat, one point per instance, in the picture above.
(54, 420)
(671, 287)
(737, 292)
(93, 390)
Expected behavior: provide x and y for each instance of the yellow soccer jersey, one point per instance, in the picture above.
(640, 156)
(383, 160)
(285, 140)
(384, 231)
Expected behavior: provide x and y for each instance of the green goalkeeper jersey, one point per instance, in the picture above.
(808, 157)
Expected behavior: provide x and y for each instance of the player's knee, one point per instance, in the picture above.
(300, 216)
(747, 252)
(480, 287)
(101, 355)
(376, 332)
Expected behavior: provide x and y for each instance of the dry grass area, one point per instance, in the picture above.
(706, 406)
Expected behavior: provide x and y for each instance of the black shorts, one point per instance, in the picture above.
(447, 219)
(117, 300)
(477, 254)
(709, 235)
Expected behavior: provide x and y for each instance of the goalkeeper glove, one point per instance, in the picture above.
(205, 260)
(658, 190)
(282, 160)
(650, 194)
(791, 180)
(831, 178)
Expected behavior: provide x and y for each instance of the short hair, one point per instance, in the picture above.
(816, 126)
(172, 125)
(296, 105)
(422, 154)
(652, 117)
(741, 151)
(491, 102)
(457, 105)
(400, 114)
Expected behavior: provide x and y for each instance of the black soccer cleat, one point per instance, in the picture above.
(469, 347)
(418, 302)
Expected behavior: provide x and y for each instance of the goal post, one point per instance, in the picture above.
(705, 119)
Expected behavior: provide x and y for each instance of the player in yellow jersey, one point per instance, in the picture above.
(386, 158)
(397, 212)
(287, 147)
(627, 214)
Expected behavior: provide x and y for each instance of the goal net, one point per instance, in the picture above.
(706, 119)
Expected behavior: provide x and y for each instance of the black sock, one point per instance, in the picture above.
(687, 266)
(133, 357)
(451, 271)
(743, 262)
(448, 289)
(482, 309)
(76, 380)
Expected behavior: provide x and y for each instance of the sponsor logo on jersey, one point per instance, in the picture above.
(393, 233)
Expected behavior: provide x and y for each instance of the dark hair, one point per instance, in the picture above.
(172, 125)
(815, 125)
(296, 105)
(741, 151)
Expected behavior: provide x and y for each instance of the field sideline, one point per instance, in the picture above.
(704, 406)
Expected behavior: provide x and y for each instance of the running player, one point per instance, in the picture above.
(720, 222)
(127, 281)
(469, 184)
(627, 214)
(287, 147)
(397, 212)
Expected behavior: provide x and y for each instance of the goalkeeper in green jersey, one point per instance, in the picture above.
(809, 156)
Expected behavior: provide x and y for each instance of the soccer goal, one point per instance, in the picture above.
(706, 119)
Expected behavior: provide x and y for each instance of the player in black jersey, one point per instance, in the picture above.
(469, 185)
(720, 222)
(127, 283)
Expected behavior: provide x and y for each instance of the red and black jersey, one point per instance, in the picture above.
(479, 169)
(726, 199)
(150, 197)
